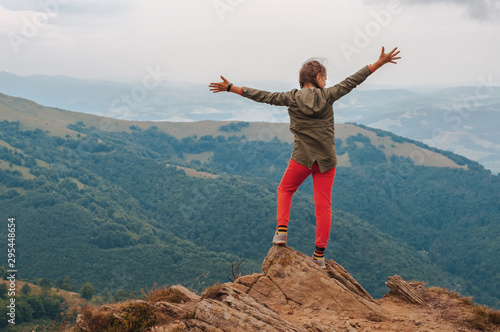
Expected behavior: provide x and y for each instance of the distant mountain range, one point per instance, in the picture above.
(463, 120)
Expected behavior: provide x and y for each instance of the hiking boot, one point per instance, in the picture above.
(320, 262)
(279, 238)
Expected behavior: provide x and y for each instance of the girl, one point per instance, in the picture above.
(311, 122)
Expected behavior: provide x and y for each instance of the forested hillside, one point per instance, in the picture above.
(113, 207)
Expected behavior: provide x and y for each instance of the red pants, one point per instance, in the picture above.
(294, 175)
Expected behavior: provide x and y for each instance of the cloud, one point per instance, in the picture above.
(482, 10)
(205, 110)
(75, 7)
(16, 5)
(177, 118)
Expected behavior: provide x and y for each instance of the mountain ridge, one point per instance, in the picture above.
(33, 117)
(459, 119)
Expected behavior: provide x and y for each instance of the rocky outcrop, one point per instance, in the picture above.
(236, 311)
(291, 294)
(306, 286)
(410, 292)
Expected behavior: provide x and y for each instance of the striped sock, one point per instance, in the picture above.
(319, 253)
(282, 229)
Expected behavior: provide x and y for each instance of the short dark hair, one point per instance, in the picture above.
(310, 69)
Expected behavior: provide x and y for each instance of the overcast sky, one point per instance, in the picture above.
(442, 42)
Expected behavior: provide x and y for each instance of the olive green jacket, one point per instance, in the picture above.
(311, 118)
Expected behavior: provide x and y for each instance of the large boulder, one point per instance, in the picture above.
(291, 280)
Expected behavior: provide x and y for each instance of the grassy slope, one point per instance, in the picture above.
(32, 116)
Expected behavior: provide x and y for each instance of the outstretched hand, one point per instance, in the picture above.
(389, 57)
(219, 87)
(384, 58)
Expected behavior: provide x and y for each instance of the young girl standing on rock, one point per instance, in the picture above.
(311, 122)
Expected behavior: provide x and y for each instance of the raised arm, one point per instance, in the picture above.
(224, 86)
(341, 89)
(272, 98)
(344, 87)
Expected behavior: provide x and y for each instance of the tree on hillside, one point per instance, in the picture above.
(26, 289)
(52, 305)
(3, 290)
(24, 312)
(65, 284)
(36, 304)
(107, 296)
(45, 283)
(87, 291)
